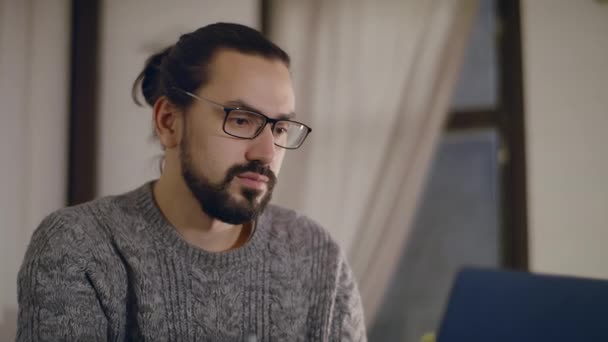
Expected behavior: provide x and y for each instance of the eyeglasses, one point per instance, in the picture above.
(247, 124)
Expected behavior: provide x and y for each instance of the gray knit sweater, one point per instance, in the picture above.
(115, 270)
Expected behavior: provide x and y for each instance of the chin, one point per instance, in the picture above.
(253, 196)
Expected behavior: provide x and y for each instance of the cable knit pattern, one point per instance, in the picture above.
(115, 270)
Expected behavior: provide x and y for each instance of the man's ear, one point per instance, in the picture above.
(168, 122)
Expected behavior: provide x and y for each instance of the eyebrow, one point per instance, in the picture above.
(243, 105)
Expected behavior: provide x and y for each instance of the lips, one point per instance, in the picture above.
(254, 177)
(253, 180)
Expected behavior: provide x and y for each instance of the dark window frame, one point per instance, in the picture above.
(508, 120)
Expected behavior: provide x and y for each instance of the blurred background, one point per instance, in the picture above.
(446, 132)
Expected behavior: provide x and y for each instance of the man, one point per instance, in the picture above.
(197, 255)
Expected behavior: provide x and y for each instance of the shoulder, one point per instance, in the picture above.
(81, 227)
(300, 232)
(64, 231)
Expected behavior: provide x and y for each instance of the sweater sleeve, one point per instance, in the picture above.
(348, 321)
(56, 298)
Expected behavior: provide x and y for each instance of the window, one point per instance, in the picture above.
(473, 210)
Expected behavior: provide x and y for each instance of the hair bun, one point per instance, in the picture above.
(150, 78)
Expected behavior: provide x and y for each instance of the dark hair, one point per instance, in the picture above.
(184, 65)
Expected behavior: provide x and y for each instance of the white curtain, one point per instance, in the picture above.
(374, 80)
(34, 86)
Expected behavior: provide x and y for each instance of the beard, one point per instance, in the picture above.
(216, 200)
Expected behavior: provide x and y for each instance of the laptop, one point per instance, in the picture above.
(506, 306)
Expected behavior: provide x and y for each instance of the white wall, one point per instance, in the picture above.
(34, 80)
(566, 94)
(130, 32)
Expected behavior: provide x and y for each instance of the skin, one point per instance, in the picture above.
(260, 83)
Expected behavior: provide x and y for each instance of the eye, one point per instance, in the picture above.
(241, 121)
(281, 128)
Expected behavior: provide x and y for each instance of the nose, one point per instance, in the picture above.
(262, 147)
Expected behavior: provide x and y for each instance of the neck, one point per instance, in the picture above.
(183, 211)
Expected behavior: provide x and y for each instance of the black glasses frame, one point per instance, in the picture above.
(267, 120)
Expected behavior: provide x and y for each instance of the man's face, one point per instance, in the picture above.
(233, 178)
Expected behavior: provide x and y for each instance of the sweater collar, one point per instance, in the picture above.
(168, 235)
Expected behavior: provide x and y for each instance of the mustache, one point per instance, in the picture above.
(254, 166)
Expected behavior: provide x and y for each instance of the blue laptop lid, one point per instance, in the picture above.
(501, 306)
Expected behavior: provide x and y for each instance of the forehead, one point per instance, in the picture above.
(259, 81)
